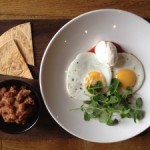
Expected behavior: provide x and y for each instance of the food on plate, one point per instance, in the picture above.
(129, 71)
(12, 62)
(106, 82)
(106, 53)
(113, 105)
(22, 36)
(86, 70)
(16, 104)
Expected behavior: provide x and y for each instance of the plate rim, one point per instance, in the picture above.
(46, 51)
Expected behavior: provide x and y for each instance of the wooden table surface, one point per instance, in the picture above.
(56, 13)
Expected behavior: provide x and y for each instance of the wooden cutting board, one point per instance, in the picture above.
(42, 32)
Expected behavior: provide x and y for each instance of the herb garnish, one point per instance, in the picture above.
(104, 106)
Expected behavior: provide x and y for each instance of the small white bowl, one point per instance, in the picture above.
(79, 35)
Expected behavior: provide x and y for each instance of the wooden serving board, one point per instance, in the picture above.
(42, 32)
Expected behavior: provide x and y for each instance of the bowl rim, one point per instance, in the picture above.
(46, 51)
(74, 19)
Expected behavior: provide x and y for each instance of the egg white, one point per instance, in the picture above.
(129, 61)
(77, 71)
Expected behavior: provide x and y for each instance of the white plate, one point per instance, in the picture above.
(79, 35)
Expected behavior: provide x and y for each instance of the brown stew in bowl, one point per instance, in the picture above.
(16, 104)
(20, 106)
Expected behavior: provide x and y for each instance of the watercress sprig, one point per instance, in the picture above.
(104, 105)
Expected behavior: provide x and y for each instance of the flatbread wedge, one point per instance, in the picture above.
(11, 61)
(22, 36)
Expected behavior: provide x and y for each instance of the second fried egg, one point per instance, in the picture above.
(129, 71)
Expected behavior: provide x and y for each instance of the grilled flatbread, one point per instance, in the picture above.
(11, 61)
(22, 36)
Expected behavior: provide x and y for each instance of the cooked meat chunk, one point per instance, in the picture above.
(13, 90)
(8, 114)
(8, 101)
(29, 101)
(22, 94)
(2, 91)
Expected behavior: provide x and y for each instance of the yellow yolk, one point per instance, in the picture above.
(126, 77)
(93, 77)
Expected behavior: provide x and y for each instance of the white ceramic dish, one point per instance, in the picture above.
(79, 35)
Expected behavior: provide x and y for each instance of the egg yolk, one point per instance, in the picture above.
(126, 77)
(92, 78)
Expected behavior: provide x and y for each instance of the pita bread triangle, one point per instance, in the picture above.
(11, 61)
(22, 36)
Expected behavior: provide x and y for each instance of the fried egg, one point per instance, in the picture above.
(86, 70)
(129, 71)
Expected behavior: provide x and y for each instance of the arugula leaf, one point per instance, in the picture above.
(139, 114)
(114, 100)
(101, 99)
(125, 111)
(98, 85)
(82, 108)
(139, 102)
(104, 116)
(86, 116)
(95, 89)
(113, 87)
(130, 114)
(112, 122)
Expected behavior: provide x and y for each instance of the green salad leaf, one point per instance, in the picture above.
(103, 106)
(139, 102)
(96, 88)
